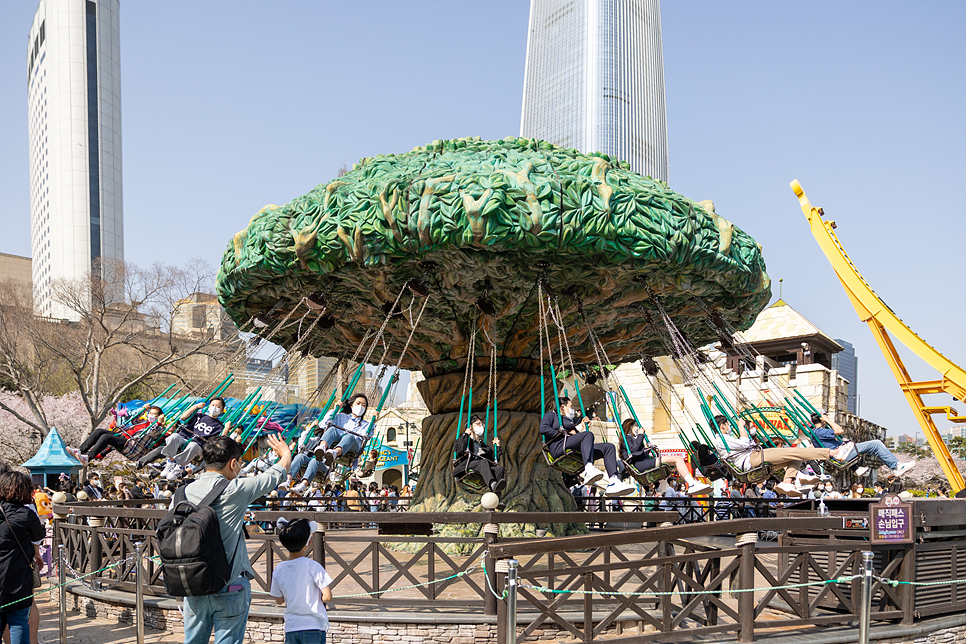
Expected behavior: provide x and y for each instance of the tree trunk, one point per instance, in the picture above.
(532, 485)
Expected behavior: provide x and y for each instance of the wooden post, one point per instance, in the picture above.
(375, 569)
(318, 545)
(269, 562)
(746, 601)
(491, 533)
(431, 572)
(588, 607)
(667, 585)
(907, 572)
(96, 556)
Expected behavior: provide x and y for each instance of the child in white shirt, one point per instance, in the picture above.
(301, 584)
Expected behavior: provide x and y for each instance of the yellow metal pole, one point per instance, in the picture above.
(882, 321)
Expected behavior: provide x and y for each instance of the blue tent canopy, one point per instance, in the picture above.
(52, 458)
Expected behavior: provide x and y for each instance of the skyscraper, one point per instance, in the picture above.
(74, 128)
(594, 80)
(847, 364)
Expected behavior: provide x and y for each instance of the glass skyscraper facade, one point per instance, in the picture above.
(74, 129)
(594, 80)
(847, 364)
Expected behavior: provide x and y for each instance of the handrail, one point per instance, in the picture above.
(690, 531)
(882, 320)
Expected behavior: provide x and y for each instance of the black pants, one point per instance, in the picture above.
(490, 472)
(100, 440)
(589, 451)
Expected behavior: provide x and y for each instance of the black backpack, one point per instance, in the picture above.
(193, 558)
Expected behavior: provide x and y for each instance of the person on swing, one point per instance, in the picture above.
(472, 453)
(745, 456)
(335, 440)
(564, 432)
(641, 459)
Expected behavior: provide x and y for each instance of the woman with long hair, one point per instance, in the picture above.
(345, 431)
(19, 528)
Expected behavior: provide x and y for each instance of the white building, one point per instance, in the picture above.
(594, 80)
(74, 128)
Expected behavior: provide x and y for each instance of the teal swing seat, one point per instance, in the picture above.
(653, 475)
(570, 462)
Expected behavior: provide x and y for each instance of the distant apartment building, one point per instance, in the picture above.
(15, 268)
(74, 134)
(200, 313)
(313, 384)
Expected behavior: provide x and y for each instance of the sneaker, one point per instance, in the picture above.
(805, 479)
(618, 488)
(841, 453)
(787, 489)
(902, 468)
(591, 475)
(498, 486)
(862, 471)
(699, 488)
(602, 483)
(320, 454)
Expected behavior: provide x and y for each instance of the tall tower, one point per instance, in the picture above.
(594, 80)
(74, 124)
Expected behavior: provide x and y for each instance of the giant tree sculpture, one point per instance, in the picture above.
(472, 219)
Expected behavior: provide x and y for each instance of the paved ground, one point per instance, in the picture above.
(84, 630)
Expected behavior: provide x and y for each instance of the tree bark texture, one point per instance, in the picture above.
(532, 485)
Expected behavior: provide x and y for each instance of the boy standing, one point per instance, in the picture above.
(301, 584)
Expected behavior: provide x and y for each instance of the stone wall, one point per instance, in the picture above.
(266, 624)
(953, 635)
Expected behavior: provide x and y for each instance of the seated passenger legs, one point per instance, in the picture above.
(561, 434)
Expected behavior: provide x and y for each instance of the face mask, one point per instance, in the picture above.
(478, 430)
(358, 410)
(152, 418)
(569, 414)
(828, 488)
(214, 411)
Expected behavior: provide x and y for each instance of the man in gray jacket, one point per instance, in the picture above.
(227, 610)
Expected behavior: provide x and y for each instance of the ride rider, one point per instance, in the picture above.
(642, 459)
(472, 453)
(563, 433)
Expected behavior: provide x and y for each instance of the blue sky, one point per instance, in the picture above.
(228, 106)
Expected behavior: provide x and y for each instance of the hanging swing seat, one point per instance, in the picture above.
(472, 482)
(570, 462)
(754, 475)
(653, 475)
(713, 471)
(844, 466)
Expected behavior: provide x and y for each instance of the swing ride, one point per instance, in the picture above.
(538, 254)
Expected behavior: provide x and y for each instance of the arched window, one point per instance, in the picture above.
(391, 435)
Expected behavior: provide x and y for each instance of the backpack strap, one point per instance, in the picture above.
(215, 492)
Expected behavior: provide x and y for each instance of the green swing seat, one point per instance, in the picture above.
(471, 482)
(754, 475)
(653, 475)
(570, 462)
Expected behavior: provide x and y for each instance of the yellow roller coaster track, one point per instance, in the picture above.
(882, 321)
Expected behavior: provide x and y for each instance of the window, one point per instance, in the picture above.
(391, 435)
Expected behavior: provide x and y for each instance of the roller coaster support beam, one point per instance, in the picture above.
(882, 321)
